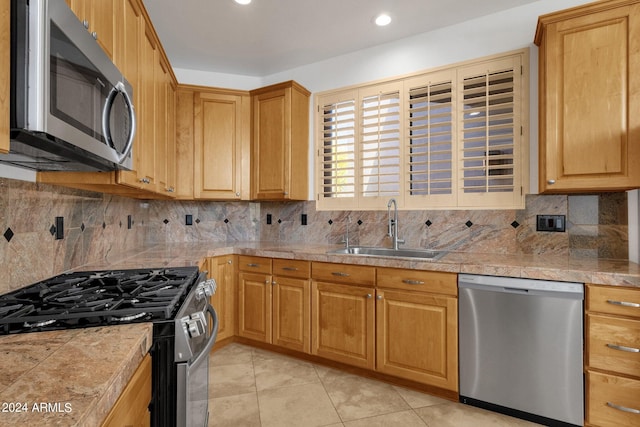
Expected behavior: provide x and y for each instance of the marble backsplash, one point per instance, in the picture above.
(96, 227)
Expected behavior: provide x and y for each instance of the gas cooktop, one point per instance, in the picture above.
(89, 298)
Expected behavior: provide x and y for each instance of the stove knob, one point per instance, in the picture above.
(206, 289)
(195, 324)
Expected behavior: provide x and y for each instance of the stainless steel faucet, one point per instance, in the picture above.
(393, 223)
(345, 238)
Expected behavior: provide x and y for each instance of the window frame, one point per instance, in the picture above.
(516, 158)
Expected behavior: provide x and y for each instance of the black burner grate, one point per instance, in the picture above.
(96, 298)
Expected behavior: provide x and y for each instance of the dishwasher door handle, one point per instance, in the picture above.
(516, 290)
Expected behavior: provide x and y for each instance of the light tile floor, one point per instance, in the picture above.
(254, 387)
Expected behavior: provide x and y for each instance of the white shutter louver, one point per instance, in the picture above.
(488, 132)
(380, 145)
(337, 149)
(429, 142)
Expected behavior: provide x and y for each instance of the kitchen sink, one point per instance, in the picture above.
(388, 252)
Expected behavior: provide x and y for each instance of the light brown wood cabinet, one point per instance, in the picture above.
(214, 141)
(5, 32)
(280, 152)
(343, 313)
(132, 407)
(274, 308)
(98, 18)
(611, 358)
(417, 326)
(222, 270)
(589, 90)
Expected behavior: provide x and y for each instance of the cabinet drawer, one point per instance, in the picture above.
(344, 273)
(416, 280)
(612, 400)
(614, 300)
(292, 268)
(614, 344)
(254, 264)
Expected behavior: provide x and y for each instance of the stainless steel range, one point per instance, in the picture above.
(176, 300)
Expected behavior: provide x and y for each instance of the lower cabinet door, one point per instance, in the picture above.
(224, 300)
(343, 323)
(417, 337)
(131, 408)
(254, 306)
(292, 313)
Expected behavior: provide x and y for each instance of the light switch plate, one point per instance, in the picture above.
(551, 223)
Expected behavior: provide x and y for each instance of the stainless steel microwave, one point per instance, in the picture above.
(71, 109)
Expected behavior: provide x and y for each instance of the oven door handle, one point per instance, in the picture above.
(212, 339)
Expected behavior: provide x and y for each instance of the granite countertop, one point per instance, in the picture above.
(70, 377)
(587, 270)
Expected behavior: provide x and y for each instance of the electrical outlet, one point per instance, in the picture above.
(129, 222)
(188, 220)
(269, 219)
(303, 219)
(550, 223)
(59, 227)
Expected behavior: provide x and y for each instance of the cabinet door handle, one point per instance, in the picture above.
(340, 274)
(413, 282)
(267, 282)
(289, 269)
(229, 262)
(623, 348)
(369, 296)
(551, 181)
(624, 303)
(623, 408)
(274, 283)
(379, 297)
(253, 265)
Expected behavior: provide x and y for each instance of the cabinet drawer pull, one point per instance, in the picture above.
(623, 408)
(289, 269)
(253, 265)
(623, 348)
(340, 274)
(413, 282)
(624, 303)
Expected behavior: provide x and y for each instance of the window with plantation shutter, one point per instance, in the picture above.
(379, 145)
(489, 134)
(337, 149)
(429, 154)
(446, 139)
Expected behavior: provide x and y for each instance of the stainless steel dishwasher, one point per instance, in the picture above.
(521, 345)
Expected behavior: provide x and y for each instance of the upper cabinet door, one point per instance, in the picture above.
(98, 18)
(589, 87)
(221, 151)
(280, 154)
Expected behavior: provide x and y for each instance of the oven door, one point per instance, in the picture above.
(192, 408)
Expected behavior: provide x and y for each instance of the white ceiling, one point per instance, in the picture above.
(269, 36)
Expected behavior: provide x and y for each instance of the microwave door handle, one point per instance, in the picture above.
(118, 88)
(212, 339)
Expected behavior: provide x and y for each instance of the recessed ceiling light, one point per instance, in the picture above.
(382, 20)
(243, 1)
